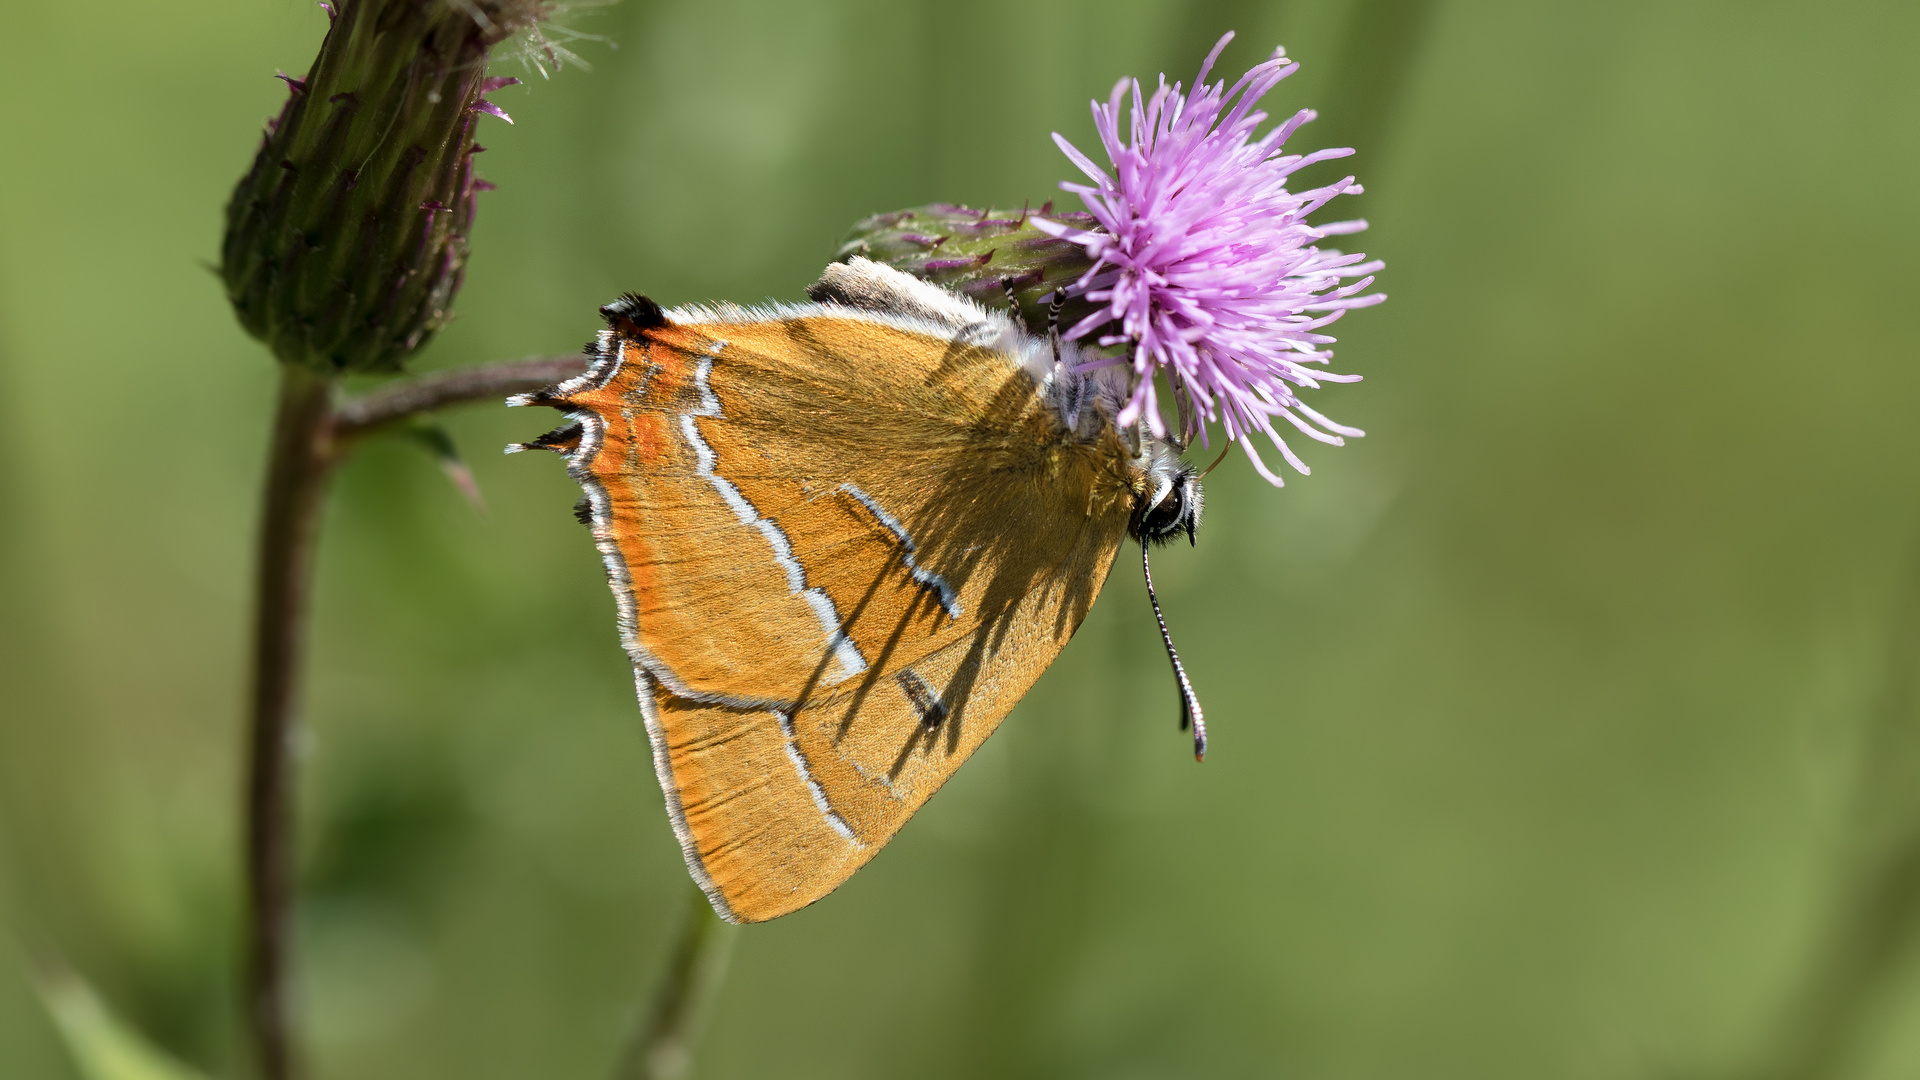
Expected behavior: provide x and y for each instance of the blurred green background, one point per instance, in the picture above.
(1565, 726)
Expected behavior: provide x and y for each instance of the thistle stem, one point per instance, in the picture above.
(1877, 913)
(311, 436)
(296, 482)
(396, 401)
(663, 1040)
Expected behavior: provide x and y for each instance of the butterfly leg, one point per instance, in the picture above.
(1013, 303)
(1053, 322)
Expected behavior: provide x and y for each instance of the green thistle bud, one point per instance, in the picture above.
(990, 256)
(347, 240)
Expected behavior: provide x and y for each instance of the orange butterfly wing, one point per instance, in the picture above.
(843, 546)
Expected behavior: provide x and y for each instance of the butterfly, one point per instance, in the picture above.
(845, 538)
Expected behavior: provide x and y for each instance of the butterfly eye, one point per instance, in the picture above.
(1176, 510)
(1164, 516)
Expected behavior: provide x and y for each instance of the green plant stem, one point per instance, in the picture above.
(663, 1040)
(377, 409)
(301, 458)
(1876, 922)
(311, 437)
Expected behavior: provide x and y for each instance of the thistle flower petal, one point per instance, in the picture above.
(482, 105)
(1204, 264)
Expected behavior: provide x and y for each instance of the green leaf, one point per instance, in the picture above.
(438, 441)
(104, 1046)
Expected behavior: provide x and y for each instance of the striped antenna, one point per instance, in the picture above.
(1190, 715)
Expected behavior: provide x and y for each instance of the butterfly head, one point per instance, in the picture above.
(1171, 499)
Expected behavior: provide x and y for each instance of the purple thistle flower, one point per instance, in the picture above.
(1207, 263)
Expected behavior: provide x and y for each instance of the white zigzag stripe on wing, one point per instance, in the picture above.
(845, 653)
